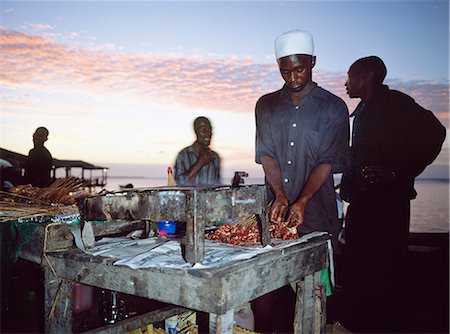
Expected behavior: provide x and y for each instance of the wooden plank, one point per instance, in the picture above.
(221, 324)
(168, 203)
(139, 321)
(193, 246)
(264, 228)
(299, 307)
(57, 303)
(315, 249)
(118, 226)
(100, 229)
(216, 292)
(60, 236)
(310, 306)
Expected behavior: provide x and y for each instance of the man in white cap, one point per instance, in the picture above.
(302, 136)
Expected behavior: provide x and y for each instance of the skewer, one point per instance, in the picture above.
(31, 201)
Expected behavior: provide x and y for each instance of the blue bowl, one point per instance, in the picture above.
(170, 227)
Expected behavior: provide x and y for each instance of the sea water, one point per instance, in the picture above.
(429, 210)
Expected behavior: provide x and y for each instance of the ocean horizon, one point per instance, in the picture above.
(429, 210)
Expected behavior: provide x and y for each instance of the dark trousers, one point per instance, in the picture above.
(376, 244)
(274, 311)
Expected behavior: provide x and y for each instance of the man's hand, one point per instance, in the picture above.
(296, 214)
(279, 209)
(205, 156)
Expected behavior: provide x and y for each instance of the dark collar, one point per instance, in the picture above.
(286, 94)
(377, 96)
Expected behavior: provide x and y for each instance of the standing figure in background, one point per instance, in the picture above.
(393, 140)
(39, 162)
(198, 164)
(302, 136)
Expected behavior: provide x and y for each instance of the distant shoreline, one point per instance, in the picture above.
(134, 177)
(163, 178)
(437, 179)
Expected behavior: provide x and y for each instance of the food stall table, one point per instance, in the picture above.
(216, 290)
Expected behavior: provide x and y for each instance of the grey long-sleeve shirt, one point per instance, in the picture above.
(208, 175)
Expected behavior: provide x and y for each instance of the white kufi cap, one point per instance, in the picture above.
(294, 42)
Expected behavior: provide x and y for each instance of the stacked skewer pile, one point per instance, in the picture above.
(25, 201)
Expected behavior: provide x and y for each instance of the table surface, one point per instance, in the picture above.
(213, 290)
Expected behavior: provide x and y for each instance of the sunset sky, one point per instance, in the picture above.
(119, 83)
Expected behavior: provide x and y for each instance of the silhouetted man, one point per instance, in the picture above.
(393, 140)
(39, 162)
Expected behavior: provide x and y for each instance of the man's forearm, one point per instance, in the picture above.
(192, 172)
(315, 181)
(272, 171)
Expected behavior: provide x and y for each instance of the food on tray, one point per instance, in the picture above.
(283, 231)
(247, 232)
(236, 234)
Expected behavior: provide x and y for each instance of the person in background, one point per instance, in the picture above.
(10, 174)
(39, 162)
(5, 178)
(198, 164)
(237, 179)
(302, 137)
(393, 140)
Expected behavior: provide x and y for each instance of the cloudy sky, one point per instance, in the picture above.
(120, 82)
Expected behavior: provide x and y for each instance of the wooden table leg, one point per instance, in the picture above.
(193, 246)
(221, 324)
(57, 303)
(310, 306)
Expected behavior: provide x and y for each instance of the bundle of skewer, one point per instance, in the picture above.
(60, 191)
(247, 221)
(25, 201)
(252, 220)
(15, 210)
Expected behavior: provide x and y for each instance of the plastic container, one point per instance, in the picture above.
(167, 227)
(82, 297)
(180, 323)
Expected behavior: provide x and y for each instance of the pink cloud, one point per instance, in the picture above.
(230, 85)
(433, 96)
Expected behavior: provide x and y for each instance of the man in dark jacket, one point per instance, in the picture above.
(393, 140)
(39, 162)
